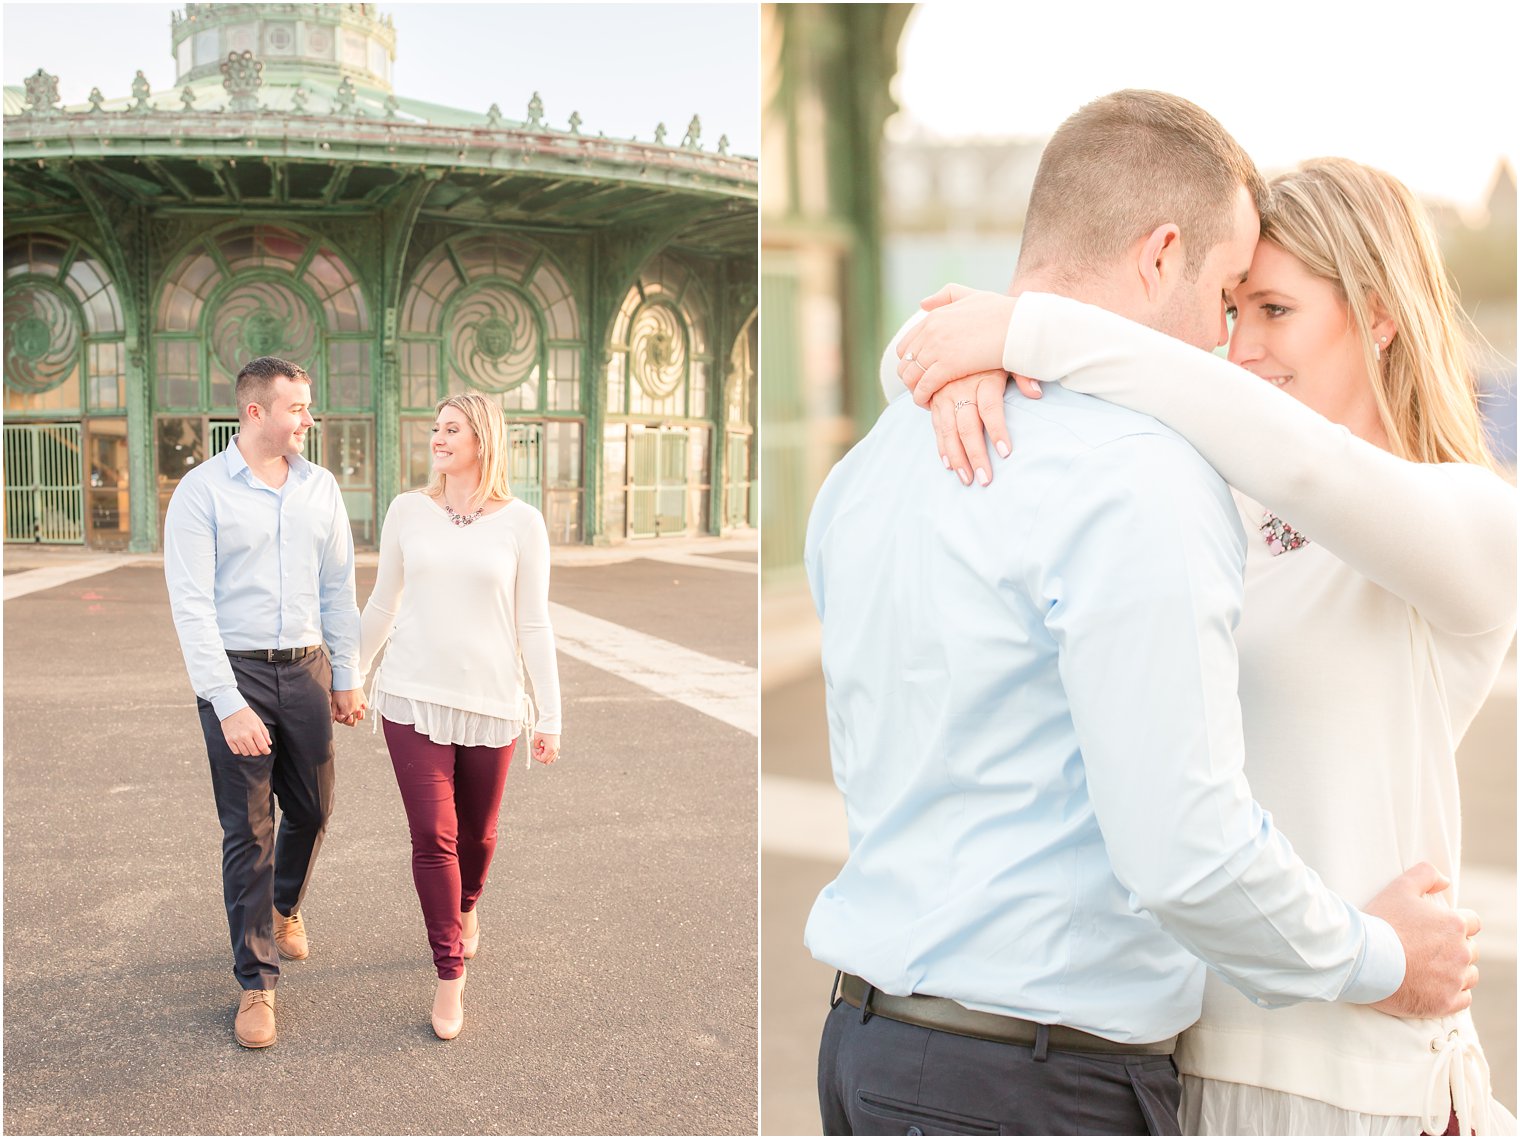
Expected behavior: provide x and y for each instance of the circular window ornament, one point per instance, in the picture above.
(41, 338)
(495, 341)
(657, 345)
(262, 318)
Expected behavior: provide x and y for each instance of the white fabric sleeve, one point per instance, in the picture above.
(1439, 535)
(379, 617)
(535, 636)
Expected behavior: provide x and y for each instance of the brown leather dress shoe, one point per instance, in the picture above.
(290, 936)
(255, 1019)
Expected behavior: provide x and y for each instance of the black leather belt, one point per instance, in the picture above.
(273, 656)
(951, 1016)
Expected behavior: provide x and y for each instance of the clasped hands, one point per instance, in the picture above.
(952, 362)
(348, 706)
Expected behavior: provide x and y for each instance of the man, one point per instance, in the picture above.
(259, 560)
(1033, 716)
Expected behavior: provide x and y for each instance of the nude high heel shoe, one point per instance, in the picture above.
(450, 994)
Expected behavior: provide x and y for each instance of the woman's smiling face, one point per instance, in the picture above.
(1294, 330)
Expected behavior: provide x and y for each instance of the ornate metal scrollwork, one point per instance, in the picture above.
(657, 355)
(494, 342)
(262, 318)
(41, 338)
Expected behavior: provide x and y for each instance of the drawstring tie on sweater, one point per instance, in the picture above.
(1459, 1080)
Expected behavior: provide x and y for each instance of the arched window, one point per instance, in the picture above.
(658, 442)
(661, 359)
(63, 331)
(496, 315)
(739, 423)
(265, 290)
(65, 395)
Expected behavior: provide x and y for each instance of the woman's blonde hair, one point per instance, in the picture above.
(1362, 230)
(490, 427)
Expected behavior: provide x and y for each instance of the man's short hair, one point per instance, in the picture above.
(255, 383)
(1125, 164)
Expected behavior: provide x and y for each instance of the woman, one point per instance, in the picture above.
(1379, 604)
(464, 581)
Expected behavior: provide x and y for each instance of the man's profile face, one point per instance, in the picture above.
(1196, 311)
(283, 427)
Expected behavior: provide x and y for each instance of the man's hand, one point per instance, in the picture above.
(545, 748)
(246, 734)
(348, 706)
(1439, 953)
(962, 335)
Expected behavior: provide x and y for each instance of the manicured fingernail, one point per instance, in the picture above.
(1038, 391)
(981, 476)
(963, 476)
(946, 460)
(1003, 449)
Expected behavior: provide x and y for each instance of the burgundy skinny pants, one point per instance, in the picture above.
(452, 796)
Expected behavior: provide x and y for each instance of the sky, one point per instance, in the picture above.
(1426, 91)
(624, 67)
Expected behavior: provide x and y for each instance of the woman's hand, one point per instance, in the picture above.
(963, 335)
(964, 409)
(545, 748)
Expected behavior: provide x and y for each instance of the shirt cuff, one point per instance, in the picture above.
(345, 679)
(1381, 970)
(226, 703)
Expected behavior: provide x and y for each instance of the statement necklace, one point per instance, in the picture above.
(460, 519)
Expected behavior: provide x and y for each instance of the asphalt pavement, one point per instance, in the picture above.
(803, 845)
(614, 989)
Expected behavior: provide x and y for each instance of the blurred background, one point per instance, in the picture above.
(899, 143)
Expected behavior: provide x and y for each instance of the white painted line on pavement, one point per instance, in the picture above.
(30, 581)
(718, 688)
(704, 561)
(802, 818)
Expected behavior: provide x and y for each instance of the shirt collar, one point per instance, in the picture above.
(300, 466)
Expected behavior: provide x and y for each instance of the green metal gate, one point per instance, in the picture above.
(44, 483)
(222, 431)
(658, 488)
(525, 469)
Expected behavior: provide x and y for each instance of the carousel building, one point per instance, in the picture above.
(283, 200)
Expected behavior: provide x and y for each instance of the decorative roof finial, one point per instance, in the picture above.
(535, 111)
(493, 117)
(298, 100)
(140, 92)
(344, 102)
(42, 94)
(692, 141)
(187, 98)
(241, 78)
(96, 99)
(392, 105)
(723, 145)
(659, 135)
(575, 122)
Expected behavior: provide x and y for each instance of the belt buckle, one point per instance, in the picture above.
(269, 655)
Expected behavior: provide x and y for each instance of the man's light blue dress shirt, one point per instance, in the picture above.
(251, 567)
(1034, 721)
